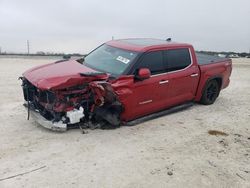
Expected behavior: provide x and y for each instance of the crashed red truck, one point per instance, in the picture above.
(122, 81)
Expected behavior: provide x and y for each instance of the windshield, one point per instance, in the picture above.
(110, 59)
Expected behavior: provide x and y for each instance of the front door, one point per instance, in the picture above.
(148, 93)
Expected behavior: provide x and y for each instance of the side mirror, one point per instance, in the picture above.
(143, 73)
(66, 56)
(81, 60)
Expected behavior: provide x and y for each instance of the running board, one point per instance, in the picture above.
(159, 114)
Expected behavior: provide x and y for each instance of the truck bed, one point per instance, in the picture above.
(204, 59)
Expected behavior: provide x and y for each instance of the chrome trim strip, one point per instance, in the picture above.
(163, 82)
(146, 102)
(194, 75)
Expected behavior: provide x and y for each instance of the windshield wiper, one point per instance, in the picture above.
(93, 73)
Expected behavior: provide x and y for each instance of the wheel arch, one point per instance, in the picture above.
(218, 78)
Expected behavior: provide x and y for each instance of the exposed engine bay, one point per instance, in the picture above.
(88, 105)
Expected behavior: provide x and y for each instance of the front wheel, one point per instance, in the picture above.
(210, 93)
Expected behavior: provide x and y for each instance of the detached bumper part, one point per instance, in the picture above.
(75, 115)
(55, 126)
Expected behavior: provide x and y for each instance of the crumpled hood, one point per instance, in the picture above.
(60, 75)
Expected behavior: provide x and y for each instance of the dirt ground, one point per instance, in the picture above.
(172, 151)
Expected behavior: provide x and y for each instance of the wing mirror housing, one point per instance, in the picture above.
(143, 73)
(66, 56)
(81, 60)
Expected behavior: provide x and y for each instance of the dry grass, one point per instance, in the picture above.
(217, 133)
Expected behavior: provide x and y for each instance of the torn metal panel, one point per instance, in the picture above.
(94, 102)
(55, 126)
(48, 77)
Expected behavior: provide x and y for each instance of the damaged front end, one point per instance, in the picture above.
(91, 104)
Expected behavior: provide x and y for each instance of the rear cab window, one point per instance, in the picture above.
(177, 59)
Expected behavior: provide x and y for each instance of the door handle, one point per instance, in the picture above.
(163, 82)
(194, 75)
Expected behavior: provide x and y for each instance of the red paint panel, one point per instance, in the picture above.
(138, 98)
(60, 75)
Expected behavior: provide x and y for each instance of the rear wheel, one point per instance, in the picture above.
(210, 93)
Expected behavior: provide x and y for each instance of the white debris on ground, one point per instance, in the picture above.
(172, 151)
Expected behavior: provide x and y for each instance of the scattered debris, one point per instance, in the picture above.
(170, 173)
(84, 132)
(167, 169)
(222, 151)
(211, 163)
(244, 170)
(158, 148)
(21, 174)
(155, 171)
(240, 176)
(223, 143)
(199, 119)
(238, 135)
(180, 122)
(217, 133)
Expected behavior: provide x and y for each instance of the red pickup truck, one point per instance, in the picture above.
(122, 81)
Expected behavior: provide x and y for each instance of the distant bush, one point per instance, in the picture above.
(227, 54)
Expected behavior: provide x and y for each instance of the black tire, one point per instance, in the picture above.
(210, 93)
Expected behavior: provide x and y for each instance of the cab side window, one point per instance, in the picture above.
(153, 61)
(177, 59)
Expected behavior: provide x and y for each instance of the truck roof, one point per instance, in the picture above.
(143, 44)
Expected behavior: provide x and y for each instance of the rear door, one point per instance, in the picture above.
(183, 75)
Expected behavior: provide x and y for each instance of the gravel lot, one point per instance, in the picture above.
(172, 151)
